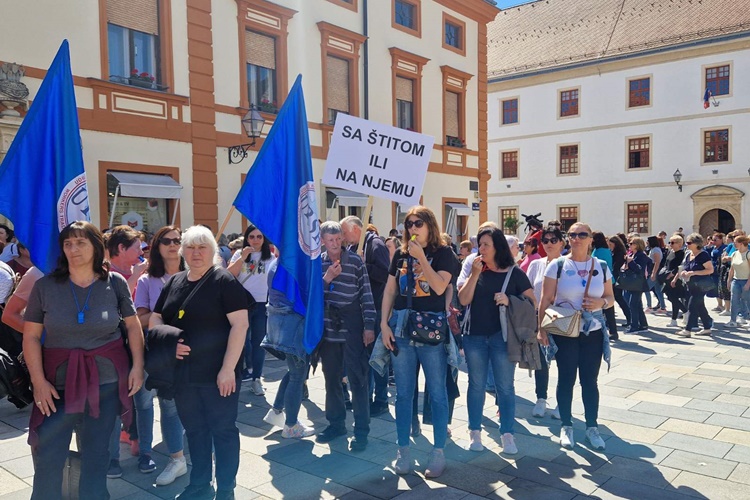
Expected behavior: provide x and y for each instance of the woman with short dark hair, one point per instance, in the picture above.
(80, 375)
(697, 263)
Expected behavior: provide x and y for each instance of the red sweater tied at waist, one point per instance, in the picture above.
(82, 381)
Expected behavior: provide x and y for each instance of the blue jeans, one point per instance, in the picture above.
(656, 288)
(54, 441)
(434, 361)
(480, 351)
(171, 427)
(740, 299)
(635, 304)
(289, 395)
(255, 355)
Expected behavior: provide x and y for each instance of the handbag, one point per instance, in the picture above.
(561, 320)
(701, 284)
(429, 328)
(631, 280)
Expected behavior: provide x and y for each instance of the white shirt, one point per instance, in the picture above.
(572, 283)
(253, 275)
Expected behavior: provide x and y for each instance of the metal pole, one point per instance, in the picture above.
(114, 205)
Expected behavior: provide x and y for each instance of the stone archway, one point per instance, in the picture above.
(719, 197)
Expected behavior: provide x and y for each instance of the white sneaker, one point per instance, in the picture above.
(540, 408)
(684, 333)
(594, 439)
(509, 444)
(555, 413)
(733, 324)
(297, 431)
(275, 417)
(725, 313)
(672, 323)
(567, 439)
(175, 468)
(476, 441)
(257, 387)
(704, 332)
(741, 321)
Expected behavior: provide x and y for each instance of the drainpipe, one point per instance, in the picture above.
(366, 88)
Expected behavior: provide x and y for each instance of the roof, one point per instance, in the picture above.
(554, 34)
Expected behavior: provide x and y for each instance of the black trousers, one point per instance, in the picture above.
(54, 442)
(541, 377)
(622, 303)
(351, 354)
(580, 356)
(210, 426)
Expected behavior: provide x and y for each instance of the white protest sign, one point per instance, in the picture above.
(379, 160)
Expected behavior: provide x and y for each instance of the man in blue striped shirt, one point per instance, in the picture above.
(349, 328)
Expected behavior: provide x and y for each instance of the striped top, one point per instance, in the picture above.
(349, 287)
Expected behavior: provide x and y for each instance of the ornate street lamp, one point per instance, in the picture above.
(253, 124)
(677, 178)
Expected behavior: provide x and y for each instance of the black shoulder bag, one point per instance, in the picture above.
(429, 328)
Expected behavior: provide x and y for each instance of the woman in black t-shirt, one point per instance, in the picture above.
(433, 263)
(697, 263)
(214, 324)
(486, 342)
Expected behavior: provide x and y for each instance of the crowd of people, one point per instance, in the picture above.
(124, 319)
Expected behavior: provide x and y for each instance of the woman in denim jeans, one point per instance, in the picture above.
(433, 265)
(580, 355)
(738, 279)
(165, 261)
(485, 342)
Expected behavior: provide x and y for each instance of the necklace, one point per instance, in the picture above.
(81, 310)
(581, 272)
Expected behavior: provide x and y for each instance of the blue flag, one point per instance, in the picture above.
(42, 181)
(278, 196)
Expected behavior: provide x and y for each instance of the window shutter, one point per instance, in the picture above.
(404, 89)
(337, 72)
(451, 114)
(138, 15)
(260, 50)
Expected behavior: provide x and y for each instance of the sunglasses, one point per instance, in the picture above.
(691, 243)
(254, 236)
(167, 241)
(547, 241)
(673, 242)
(581, 236)
(419, 223)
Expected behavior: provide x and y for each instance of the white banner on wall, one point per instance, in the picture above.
(378, 160)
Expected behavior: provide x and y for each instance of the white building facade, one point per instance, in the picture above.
(580, 132)
(418, 64)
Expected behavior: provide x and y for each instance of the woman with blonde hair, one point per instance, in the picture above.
(582, 283)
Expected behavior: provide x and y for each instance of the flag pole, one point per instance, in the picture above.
(365, 221)
(224, 224)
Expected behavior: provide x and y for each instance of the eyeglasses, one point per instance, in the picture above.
(547, 241)
(419, 223)
(254, 236)
(581, 236)
(674, 242)
(691, 243)
(167, 241)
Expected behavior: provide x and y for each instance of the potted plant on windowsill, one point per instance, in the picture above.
(454, 142)
(143, 80)
(267, 106)
(511, 224)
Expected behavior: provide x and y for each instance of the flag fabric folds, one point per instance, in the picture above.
(42, 180)
(278, 196)
(706, 97)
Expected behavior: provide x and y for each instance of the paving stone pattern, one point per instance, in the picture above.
(674, 415)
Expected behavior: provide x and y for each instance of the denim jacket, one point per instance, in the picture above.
(381, 356)
(587, 318)
(285, 332)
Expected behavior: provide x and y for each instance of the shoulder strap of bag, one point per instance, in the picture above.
(588, 282)
(185, 302)
(409, 280)
(507, 279)
(560, 263)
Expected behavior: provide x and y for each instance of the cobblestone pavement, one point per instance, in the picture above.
(674, 415)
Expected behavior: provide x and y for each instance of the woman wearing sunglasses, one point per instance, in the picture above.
(674, 289)
(697, 263)
(640, 262)
(433, 265)
(553, 243)
(250, 266)
(165, 261)
(582, 354)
